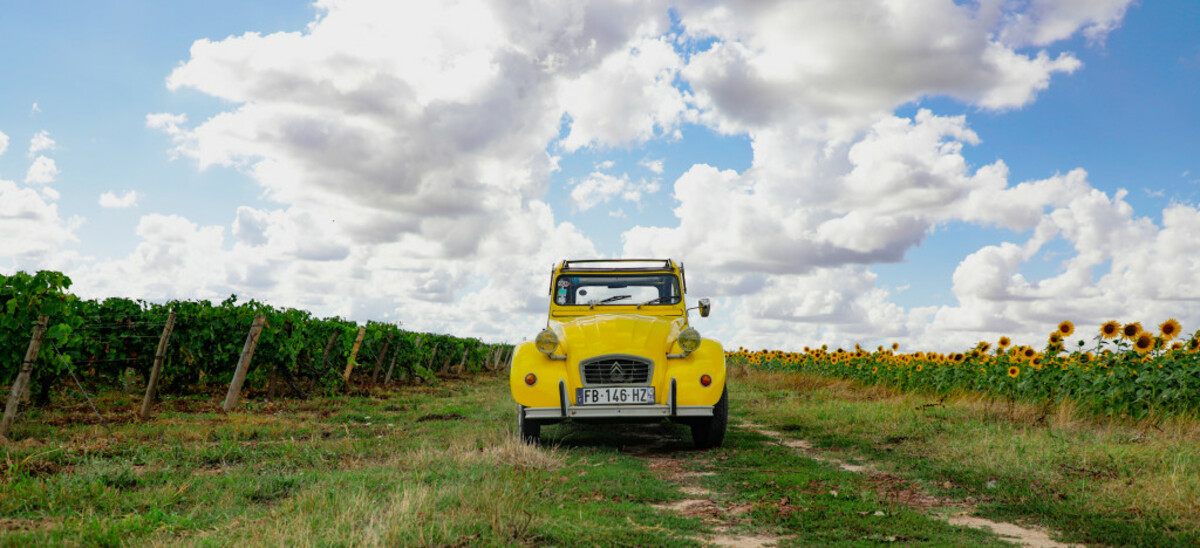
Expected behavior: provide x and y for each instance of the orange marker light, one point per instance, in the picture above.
(705, 380)
(531, 379)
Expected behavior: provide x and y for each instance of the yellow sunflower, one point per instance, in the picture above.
(1131, 330)
(1169, 329)
(1004, 342)
(1066, 328)
(1111, 329)
(1144, 343)
(1029, 353)
(1056, 337)
(1013, 371)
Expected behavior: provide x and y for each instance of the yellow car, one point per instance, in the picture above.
(618, 347)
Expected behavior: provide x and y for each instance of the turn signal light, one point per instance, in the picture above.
(705, 380)
(531, 379)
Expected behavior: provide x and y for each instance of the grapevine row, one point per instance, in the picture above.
(99, 341)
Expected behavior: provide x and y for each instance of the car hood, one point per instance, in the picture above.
(602, 334)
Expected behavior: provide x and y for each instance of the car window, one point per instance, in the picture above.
(610, 289)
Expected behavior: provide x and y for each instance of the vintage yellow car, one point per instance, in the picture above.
(618, 347)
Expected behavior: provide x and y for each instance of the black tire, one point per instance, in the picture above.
(710, 431)
(530, 430)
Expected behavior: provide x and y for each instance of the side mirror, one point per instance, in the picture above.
(705, 307)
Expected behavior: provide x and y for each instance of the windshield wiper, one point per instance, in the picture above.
(611, 299)
(652, 301)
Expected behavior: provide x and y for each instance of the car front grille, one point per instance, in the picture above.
(616, 369)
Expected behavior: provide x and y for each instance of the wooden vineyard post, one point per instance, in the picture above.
(362, 331)
(462, 365)
(328, 348)
(22, 381)
(489, 359)
(379, 362)
(235, 387)
(388, 378)
(159, 355)
(432, 356)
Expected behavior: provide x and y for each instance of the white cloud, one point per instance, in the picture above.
(421, 121)
(1043, 22)
(110, 200)
(599, 188)
(3, 142)
(31, 230)
(799, 254)
(41, 141)
(167, 122)
(630, 97)
(655, 166)
(35, 109)
(42, 171)
(823, 69)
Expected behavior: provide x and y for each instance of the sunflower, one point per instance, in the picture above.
(1131, 330)
(1029, 353)
(895, 346)
(1066, 328)
(1004, 342)
(983, 346)
(1144, 343)
(1169, 329)
(1013, 371)
(1194, 343)
(1111, 329)
(1056, 337)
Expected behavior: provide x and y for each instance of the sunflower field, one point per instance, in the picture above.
(1125, 370)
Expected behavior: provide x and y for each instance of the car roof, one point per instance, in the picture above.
(617, 265)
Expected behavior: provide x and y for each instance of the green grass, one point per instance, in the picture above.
(439, 465)
(1096, 481)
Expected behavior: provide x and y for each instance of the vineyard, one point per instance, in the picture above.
(87, 345)
(1124, 371)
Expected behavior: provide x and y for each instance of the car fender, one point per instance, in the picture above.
(543, 393)
(709, 360)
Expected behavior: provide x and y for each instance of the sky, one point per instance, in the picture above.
(928, 172)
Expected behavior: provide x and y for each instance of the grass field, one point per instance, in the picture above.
(439, 465)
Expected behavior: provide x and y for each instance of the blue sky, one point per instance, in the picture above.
(454, 192)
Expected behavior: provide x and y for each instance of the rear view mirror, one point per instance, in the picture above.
(705, 307)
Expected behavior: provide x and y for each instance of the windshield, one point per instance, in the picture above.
(617, 289)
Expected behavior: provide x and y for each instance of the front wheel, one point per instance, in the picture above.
(710, 431)
(530, 430)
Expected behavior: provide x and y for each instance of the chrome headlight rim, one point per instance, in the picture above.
(546, 342)
(689, 339)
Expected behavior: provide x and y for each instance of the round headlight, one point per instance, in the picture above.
(546, 341)
(689, 339)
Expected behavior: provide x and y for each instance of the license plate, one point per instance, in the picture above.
(614, 396)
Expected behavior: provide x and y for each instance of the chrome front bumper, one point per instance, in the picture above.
(566, 411)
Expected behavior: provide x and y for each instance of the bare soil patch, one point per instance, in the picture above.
(702, 503)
